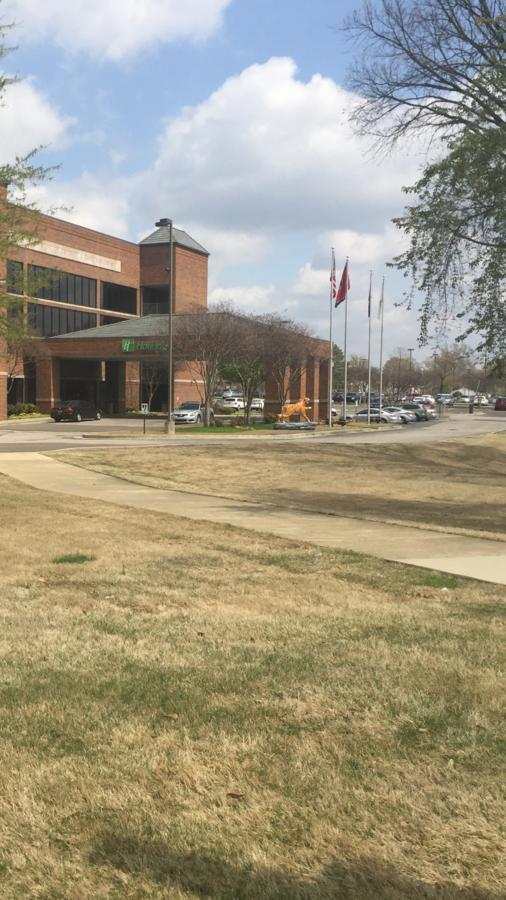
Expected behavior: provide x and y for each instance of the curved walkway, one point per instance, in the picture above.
(466, 556)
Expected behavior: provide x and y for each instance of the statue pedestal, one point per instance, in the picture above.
(294, 426)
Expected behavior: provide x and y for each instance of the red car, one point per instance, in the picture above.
(500, 403)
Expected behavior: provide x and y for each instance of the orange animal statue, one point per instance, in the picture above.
(291, 409)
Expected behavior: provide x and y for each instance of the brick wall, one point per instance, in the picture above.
(190, 274)
(3, 352)
(78, 238)
(190, 281)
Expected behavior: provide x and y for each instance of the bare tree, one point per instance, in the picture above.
(287, 350)
(438, 68)
(248, 366)
(401, 375)
(451, 367)
(153, 375)
(204, 342)
(433, 65)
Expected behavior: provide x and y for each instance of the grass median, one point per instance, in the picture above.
(195, 711)
(456, 486)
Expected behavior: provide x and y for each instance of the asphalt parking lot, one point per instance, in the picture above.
(45, 435)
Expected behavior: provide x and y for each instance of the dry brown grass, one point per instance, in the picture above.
(458, 486)
(194, 711)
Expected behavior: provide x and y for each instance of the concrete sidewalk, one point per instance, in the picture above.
(471, 557)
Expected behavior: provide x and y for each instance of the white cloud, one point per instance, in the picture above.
(227, 247)
(117, 29)
(270, 151)
(252, 299)
(267, 175)
(28, 119)
(93, 201)
(365, 247)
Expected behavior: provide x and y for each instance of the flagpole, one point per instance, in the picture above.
(369, 353)
(331, 349)
(345, 338)
(382, 307)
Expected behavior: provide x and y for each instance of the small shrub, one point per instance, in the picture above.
(270, 418)
(21, 409)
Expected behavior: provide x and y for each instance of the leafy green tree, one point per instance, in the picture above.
(456, 255)
(337, 369)
(438, 69)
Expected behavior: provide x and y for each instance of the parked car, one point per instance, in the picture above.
(189, 413)
(257, 403)
(377, 416)
(445, 399)
(75, 411)
(230, 403)
(500, 403)
(407, 415)
(420, 412)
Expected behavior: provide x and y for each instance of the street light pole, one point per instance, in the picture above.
(170, 427)
(410, 351)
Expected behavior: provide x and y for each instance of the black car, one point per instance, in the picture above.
(75, 411)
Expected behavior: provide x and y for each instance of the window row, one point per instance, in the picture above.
(119, 298)
(47, 284)
(47, 321)
(14, 277)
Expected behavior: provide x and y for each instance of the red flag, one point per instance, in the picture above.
(344, 285)
(333, 282)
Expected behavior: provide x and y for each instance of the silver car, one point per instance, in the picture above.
(406, 414)
(377, 416)
(189, 413)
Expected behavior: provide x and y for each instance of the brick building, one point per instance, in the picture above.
(79, 280)
(97, 306)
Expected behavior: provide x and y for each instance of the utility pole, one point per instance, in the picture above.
(410, 351)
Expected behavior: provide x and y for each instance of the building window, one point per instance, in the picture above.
(48, 284)
(14, 277)
(48, 321)
(118, 298)
(155, 301)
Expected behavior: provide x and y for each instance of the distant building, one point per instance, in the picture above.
(85, 279)
(96, 309)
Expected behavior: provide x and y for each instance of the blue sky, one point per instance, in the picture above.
(231, 117)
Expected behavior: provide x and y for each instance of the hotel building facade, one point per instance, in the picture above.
(93, 307)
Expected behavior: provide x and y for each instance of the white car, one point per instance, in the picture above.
(257, 403)
(234, 403)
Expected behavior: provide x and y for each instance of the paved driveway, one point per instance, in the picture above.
(45, 435)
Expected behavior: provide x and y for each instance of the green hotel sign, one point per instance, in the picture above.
(130, 345)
